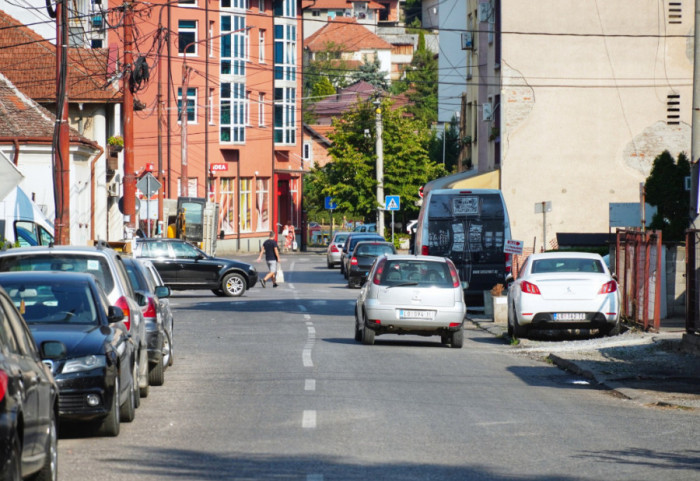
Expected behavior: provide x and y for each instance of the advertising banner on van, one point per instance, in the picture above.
(513, 247)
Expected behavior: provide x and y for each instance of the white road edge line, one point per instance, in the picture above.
(308, 420)
(306, 358)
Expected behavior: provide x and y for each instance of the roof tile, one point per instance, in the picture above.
(346, 33)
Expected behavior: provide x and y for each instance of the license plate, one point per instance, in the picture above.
(411, 314)
(569, 316)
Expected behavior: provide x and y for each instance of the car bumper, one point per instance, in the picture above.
(154, 339)
(252, 279)
(74, 389)
(385, 319)
(358, 274)
(601, 311)
(333, 258)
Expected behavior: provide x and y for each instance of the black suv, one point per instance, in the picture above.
(184, 266)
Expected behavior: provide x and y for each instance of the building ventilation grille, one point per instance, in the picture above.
(675, 12)
(673, 109)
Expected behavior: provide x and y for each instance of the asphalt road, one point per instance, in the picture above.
(272, 386)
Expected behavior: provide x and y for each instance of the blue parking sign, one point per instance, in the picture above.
(330, 204)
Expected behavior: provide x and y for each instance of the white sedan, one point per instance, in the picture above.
(563, 290)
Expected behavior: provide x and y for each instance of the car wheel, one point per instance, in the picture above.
(457, 339)
(168, 348)
(49, 472)
(14, 464)
(613, 330)
(218, 292)
(329, 265)
(156, 374)
(233, 285)
(367, 336)
(358, 331)
(127, 411)
(511, 311)
(518, 330)
(143, 391)
(445, 338)
(110, 424)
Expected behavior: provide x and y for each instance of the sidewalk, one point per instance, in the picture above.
(651, 369)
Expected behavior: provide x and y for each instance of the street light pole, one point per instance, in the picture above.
(380, 167)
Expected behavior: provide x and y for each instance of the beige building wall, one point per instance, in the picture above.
(585, 114)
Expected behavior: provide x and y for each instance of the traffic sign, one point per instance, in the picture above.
(392, 202)
(513, 247)
(330, 204)
(148, 184)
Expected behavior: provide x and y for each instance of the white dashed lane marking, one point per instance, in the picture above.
(308, 420)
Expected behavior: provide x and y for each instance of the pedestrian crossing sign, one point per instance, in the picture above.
(392, 202)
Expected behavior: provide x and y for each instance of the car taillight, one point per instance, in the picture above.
(149, 309)
(509, 263)
(353, 261)
(608, 287)
(334, 248)
(3, 384)
(530, 288)
(123, 304)
(453, 273)
(378, 273)
(425, 251)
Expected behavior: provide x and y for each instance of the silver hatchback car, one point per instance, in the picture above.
(406, 294)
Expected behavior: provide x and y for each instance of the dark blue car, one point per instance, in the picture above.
(95, 374)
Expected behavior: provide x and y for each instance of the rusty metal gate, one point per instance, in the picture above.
(692, 281)
(638, 266)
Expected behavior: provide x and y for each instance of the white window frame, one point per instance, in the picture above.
(245, 196)
(261, 109)
(191, 97)
(212, 98)
(189, 30)
(261, 46)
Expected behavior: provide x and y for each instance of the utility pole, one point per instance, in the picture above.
(129, 199)
(161, 222)
(695, 132)
(380, 168)
(62, 150)
(184, 105)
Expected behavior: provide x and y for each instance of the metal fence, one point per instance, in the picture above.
(692, 281)
(638, 266)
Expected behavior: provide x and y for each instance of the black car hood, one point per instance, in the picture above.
(80, 340)
(232, 263)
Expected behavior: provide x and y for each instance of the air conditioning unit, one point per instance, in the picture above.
(113, 189)
(487, 111)
(468, 41)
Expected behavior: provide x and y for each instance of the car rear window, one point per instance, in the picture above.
(424, 273)
(373, 249)
(567, 265)
(92, 264)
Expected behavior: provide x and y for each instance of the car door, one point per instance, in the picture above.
(28, 367)
(195, 268)
(163, 258)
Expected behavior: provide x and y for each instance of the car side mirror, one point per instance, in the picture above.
(115, 314)
(53, 350)
(163, 291)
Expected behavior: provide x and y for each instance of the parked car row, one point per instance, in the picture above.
(84, 333)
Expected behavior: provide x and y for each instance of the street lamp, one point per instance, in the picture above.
(184, 183)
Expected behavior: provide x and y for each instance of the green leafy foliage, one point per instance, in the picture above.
(445, 144)
(665, 189)
(351, 176)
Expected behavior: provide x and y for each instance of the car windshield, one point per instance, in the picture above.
(53, 303)
(568, 264)
(55, 261)
(416, 272)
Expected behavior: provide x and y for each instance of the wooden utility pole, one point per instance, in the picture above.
(184, 105)
(129, 199)
(161, 222)
(62, 149)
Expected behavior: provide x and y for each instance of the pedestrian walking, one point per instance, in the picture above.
(285, 234)
(290, 240)
(272, 257)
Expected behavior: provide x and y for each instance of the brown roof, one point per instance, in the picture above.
(29, 62)
(346, 33)
(338, 4)
(20, 116)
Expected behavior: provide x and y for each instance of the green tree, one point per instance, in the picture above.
(445, 144)
(351, 176)
(370, 72)
(665, 189)
(322, 88)
(421, 83)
